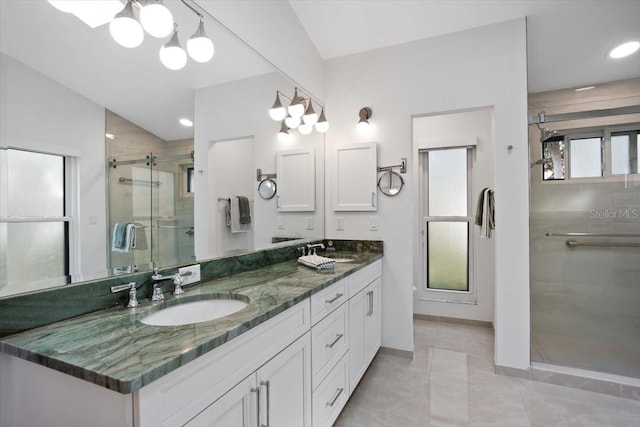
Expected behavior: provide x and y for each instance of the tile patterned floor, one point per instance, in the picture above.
(450, 382)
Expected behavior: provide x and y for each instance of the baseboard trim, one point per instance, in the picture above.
(405, 354)
(456, 320)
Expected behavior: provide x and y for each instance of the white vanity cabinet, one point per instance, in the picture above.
(354, 171)
(276, 394)
(364, 322)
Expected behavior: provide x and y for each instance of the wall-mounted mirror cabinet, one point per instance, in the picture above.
(353, 172)
(110, 115)
(296, 172)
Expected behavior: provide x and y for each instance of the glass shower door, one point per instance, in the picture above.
(585, 257)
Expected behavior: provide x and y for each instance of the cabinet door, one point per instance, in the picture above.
(372, 320)
(357, 313)
(237, 408)
(296, 172)
(285, 386)
(354, 177)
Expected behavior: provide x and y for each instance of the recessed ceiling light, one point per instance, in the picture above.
(580, 89)
(186, 122)
(110, 135)
(624, 50)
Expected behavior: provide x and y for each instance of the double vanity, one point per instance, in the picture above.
(291, 352)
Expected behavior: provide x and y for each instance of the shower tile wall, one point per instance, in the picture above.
(584, 301)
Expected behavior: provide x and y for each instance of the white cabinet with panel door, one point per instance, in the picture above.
(354, 171)
(364, 330)
(295, 170)
(277, 394)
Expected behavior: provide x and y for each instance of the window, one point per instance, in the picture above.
(447, 222)
(585, 157)
(600, 154)
(624, 152)
(32, 220)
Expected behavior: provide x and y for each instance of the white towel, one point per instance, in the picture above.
(234, 217)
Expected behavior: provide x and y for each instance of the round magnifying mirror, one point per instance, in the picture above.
(267, 188)
(390, 183)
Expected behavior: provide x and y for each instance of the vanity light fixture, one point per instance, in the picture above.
(300, 113)
(296, 108)
(305, 129)
(199, 46)
(322, 125)
(624, 50)
(156, 18)
(284, 135)
(186, 122)
(277, 112)
(125, 27)
(365, 114)
(292, 122)
(172, 55)
(310, 117)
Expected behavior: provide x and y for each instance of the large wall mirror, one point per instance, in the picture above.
(91, 148)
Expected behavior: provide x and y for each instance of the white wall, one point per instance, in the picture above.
(37, 113)
(484, 67)
(230, 177)
(274, 30)
(240, 110)
(437, 131)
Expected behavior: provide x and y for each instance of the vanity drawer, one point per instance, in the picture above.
(329, 342)
(360, 279)
(329, 398)
(327, 300)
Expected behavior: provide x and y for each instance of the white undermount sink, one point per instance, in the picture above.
(194, 312)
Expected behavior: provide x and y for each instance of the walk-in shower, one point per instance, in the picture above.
(585, 241)
(150, 191)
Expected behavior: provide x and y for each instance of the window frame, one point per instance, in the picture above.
(446, 295)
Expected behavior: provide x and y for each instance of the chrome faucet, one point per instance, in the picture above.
(314, 247)
(131, 287)
(178, 281)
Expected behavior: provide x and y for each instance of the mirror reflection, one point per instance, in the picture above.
(109, 116)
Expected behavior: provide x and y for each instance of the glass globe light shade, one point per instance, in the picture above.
(125, 28)
(292, 122)
(322, 125)
(156, 19)
(305, 129)
(199, 46)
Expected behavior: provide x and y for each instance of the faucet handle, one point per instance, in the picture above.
(178, 280)
(157, 294)
(131, 286)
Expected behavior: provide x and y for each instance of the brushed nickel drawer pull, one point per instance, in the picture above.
(335, 397)
(334, 299)
(335, 341)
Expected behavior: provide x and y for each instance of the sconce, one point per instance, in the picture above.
(300, 114)
(365, 114)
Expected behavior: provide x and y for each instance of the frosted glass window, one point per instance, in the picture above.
(624, 153)
(448, 182)
(45, 242)
(586, 157)
(35, 184)
(448, 262)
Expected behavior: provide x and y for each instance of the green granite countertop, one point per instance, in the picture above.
(113, 349)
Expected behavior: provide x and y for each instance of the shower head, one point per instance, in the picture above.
(547, 135)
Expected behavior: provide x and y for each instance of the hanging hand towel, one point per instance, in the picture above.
(124, 237)
(485, 213)
(235, 222)
(244, 210)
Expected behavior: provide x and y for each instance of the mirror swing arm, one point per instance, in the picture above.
(267, 187)
(392, 188)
